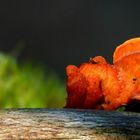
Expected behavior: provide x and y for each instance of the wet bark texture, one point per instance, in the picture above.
(68, 124)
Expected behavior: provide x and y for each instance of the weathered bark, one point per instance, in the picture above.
(68, 124)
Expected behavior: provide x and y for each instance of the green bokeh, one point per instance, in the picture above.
(28, 86)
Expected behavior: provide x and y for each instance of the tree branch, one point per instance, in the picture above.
(68, 124)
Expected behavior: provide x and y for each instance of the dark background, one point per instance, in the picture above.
(61, 32)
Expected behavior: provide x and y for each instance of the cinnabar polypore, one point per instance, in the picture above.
(99, 85)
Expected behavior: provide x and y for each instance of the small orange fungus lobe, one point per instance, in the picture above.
(98, 59)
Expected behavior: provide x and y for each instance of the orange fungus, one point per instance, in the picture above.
(99, 85)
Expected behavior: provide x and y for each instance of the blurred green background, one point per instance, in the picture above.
(29, 86)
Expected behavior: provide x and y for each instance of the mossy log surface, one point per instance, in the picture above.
(69, 124)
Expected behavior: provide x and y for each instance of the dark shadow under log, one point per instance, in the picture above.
(68, 124)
